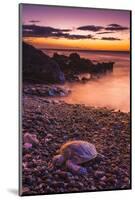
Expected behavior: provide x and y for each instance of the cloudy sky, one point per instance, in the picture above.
(75, 28)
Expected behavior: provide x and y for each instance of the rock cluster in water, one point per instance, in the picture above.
(73, 65)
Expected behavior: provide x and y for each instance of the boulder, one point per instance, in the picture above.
(38, 67)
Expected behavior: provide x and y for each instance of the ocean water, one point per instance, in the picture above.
(111, 90)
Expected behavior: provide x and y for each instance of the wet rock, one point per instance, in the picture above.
(40, 68)
(25, 190)
(99, 174)
(93, 188)
(29, 180)
(126, 180)
(49, 181)
(62, 174)
(95, 166)
(65, 137)
(30, 138)
(56, 102)
(89, 169)
(103, 178)
(58, 184)
(72, 183)
(51, 93)
(80, 185)
(69, 174)
(27, 146)
(27, 157)
(49, 135)
(102, 183)
(47, 101)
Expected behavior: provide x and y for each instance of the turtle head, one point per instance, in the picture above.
(58, 160)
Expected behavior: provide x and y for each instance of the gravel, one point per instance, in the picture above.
(56, 122)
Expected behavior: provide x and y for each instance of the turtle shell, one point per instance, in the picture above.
(78, 151)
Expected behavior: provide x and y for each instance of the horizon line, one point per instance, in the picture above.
(68, 49)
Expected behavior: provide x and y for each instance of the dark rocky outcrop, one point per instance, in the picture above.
(73, 65)
(38, 67)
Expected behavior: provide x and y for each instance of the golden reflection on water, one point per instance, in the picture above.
(111, 91)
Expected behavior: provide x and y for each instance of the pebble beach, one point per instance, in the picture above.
(55, 122)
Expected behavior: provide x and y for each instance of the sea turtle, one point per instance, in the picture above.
(73, 154)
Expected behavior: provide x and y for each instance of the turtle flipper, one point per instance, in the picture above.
(101, 156)
(76, 169)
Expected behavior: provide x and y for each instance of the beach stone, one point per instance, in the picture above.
(65, 137)
(99, 174)
(27, 146)
(27, 157)
(93, 188)
(95, 166)
(56, 101)
(49, 181)
(29, 180)
(51, 93)
(90, 169)
(49, 189)
(80, 185)
(72, 183)
(69, 174)
(127, 180)
(25, 190)
(47, 101)
(102, 183)
(103, 178)
(62, 174)
(49, 135)
(30, 138)
(58, 183)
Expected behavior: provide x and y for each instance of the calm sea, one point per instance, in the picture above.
(112, 90)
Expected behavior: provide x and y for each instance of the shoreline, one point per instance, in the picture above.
(60, 93)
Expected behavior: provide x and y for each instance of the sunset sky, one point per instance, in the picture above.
(75, 28)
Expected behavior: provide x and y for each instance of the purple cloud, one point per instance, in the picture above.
(34, 21)
(90, 28)
(110, 38)
(116, 27)
(105, 32)
(44, 31)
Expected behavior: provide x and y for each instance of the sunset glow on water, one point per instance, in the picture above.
(111, 90)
